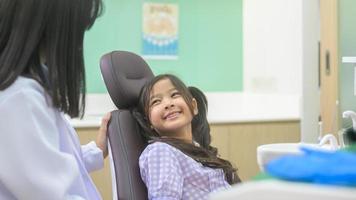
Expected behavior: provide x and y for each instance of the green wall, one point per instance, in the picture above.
(210, 42)
(347, 42)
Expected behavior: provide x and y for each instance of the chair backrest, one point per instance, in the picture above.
(124, 74)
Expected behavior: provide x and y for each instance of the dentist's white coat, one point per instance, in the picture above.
(40, 155)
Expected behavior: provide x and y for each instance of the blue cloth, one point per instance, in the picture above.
(333, 168)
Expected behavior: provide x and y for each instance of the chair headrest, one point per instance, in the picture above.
(124, 74)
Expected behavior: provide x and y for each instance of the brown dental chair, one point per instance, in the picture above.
(124, 74)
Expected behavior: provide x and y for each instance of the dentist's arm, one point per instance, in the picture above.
(32, 165)
(95, 152)
(102, 137)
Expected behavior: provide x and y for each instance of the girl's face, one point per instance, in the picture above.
(169, 113)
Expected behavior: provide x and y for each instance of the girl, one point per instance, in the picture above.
(179, 162)
(42, 77)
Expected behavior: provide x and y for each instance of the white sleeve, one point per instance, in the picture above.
(32, 166)
(92, 157)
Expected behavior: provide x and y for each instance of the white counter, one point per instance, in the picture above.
(243, 107)
(223, 108)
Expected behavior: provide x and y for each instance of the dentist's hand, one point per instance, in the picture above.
(101, 138)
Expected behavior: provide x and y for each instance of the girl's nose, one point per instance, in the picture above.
(169, 105)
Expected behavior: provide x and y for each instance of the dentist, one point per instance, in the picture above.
(42, 78)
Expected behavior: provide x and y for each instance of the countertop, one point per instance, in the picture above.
(224, 107)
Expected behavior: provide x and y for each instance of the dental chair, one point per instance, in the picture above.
(124, 74)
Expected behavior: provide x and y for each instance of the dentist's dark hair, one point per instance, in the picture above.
(54, 30)
(204, 153)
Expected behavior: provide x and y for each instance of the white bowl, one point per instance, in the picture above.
(268, 152)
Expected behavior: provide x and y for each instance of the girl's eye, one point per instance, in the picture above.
(175, 94)
(155, 102)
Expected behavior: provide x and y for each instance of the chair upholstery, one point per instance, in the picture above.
(124, 74)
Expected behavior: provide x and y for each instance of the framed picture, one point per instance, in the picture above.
(160, 31)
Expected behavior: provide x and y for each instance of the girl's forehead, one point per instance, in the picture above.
(163, 82)
(162, 85)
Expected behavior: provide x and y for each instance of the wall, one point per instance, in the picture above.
(347, 42)
(310, 103)
(281, 54)
(272, 40)
(210, 42)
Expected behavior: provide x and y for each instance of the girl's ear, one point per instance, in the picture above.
(195, 106)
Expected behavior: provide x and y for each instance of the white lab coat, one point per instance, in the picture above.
(40, 154)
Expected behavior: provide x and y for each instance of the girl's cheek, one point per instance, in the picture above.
(153, 114)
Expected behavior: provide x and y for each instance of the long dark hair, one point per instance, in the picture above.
(55, 29)
(204, 153)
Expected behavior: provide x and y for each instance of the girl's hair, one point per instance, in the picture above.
(54, 30)
(204, 153)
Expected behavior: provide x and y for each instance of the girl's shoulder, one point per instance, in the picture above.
(160, 147)
(161, 150)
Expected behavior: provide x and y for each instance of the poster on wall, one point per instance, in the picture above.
(160, 31)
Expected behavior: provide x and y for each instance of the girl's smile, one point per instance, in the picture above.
(172, 115)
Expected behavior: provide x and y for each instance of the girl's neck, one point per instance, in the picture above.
(183, 135)
(186, 139)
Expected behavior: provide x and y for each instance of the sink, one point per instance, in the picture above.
(268, 152)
